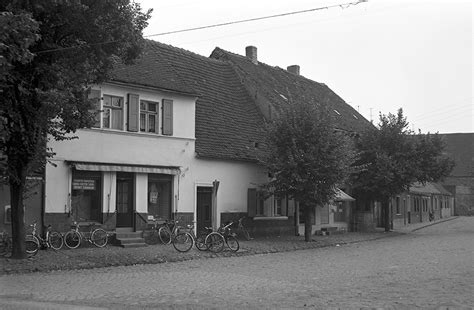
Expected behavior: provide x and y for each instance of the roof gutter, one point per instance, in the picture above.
(128, 84)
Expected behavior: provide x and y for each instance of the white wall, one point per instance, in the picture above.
(235, 179)
(122, 147)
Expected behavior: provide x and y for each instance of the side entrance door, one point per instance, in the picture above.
(124, 201)
(204, 210)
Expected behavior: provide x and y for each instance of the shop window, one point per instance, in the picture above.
(86, 203)
(159, 196)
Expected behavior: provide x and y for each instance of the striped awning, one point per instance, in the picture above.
(90, 166)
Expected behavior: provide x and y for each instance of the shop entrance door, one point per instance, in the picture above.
(204, 210)
(124, 201)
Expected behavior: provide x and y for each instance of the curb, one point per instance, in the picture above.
(437, 222)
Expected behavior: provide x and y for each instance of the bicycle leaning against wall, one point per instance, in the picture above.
(5, 243)
(198, 240)
(31, 244)
(168, 231)
(52, 239)
(95, 236)
(243, 230)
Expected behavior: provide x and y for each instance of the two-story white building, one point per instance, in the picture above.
(180, 135)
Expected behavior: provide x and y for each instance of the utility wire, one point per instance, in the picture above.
(342, 6)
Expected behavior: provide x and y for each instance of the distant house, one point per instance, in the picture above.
(460, 147)
(422, 203)
(180, 135)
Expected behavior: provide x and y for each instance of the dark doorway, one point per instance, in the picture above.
(124, 202)
(204, 203)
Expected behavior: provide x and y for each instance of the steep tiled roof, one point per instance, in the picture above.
(441, 189)
(150, 70)
(277, 87)
(227, 121)
(427, 188)
(460, 147)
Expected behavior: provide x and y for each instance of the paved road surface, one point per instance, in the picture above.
(432, 268)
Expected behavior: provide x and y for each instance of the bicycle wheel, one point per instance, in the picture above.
(55, 240)
(72, 239)
(153, 238)
(164, 234)
(246, 234)
(99, 237)
(232, 243)
(5, 246)
(183, 242)
(200, 243)
(214, 242)
(32, 245)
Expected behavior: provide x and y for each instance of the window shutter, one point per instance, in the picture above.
(167, 128)
(252, 202)
(95, 95)
(133, 113)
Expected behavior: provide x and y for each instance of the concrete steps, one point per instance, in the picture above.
(129, 239)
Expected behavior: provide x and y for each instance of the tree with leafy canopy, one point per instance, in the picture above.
(307, 156)
(395, 158)
(51, 52)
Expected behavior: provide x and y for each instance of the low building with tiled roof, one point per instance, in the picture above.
(460, 182)
(423, 202)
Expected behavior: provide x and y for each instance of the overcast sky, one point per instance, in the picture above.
(378, 56)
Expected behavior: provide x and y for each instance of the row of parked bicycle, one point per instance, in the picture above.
(55, 240)
(183, 239)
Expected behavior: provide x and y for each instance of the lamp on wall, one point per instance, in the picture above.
(215, 186)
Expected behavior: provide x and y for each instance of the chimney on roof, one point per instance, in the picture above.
(295, 69)
(251, 53)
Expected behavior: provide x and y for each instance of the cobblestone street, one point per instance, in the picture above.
(430, 268)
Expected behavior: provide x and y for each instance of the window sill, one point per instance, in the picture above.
(133, 133)
(270, 218)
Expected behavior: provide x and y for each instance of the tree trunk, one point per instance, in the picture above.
(308, 225)
(18, 214)
(386, 213)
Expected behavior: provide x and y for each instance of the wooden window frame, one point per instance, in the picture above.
(111, 108)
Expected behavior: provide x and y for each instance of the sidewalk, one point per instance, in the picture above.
(91, 257)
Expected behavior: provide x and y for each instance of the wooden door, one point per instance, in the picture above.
(204, 210)
(124, 200)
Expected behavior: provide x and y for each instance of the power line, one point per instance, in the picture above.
(342, 5)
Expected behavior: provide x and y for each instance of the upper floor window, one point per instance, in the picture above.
(148, 116)
(116, 112)
(113, 112)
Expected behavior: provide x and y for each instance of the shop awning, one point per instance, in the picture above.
(341, 196)
(124, 168)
